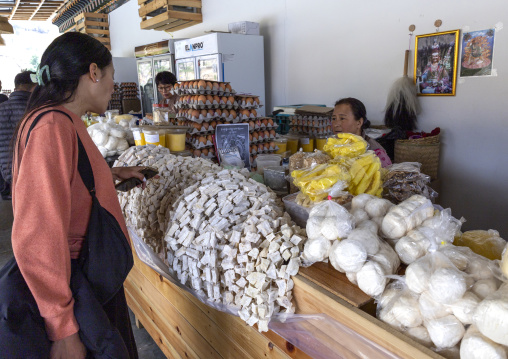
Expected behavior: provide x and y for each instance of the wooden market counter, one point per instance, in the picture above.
(184, 327)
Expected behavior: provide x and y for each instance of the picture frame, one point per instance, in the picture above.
(477, 55)
(435, 63)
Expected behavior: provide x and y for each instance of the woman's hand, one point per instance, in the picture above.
(69, 347)
(123, 173)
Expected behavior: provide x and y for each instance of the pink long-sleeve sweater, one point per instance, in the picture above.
(51, 212)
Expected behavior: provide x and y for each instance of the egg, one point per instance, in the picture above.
(201, 84)
(213, 124)
(215, 86)
(176, 86)
(249, 100)
(233, 114)
(211, 113)
(185, 85)
(251, 125)
(255, 136)
(222, 86)
(209, 138)
(256, 100)
(254, 112)
(266, 134)
(272, 144)
(203, 113)
(208, 85)
(218, 112)
(223, 99)
(231, 100)
(264, 121)
(215, 99)
(270, 122)
(250, 137)
(209, 98)
(225, 113)
(197, 126)
(206, 125)
(261, 148)
(202, 139)
(195, 113)
(245, 113)
(204, 152)
(201, 98)
(197, 153)
(228, 87)
(189, 112)
(272, 133)
(211, 152)
(253, 148)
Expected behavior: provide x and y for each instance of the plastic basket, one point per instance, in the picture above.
(283, 121)
(424, 150)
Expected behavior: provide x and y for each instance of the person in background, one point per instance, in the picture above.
(3, 97)
(165, 81)
(11, 112)
(51, 203)
(350, 116)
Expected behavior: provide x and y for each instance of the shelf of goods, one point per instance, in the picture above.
(169, 15)
(219, 243)
(95, 25)
(203, 105)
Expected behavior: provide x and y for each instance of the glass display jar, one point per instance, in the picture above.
(160, 114)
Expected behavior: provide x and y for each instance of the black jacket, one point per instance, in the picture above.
(11, 112)
(3, 98)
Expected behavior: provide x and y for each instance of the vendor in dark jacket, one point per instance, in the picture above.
(11, 111)
(3, 97)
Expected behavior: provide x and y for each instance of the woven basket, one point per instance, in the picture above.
(423, 150)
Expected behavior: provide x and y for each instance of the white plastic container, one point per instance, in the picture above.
(267, 161)
(244, 28)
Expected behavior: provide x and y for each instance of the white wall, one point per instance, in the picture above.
(319, 51)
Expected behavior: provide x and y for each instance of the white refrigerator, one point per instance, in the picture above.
(237, 59)
(150, 60)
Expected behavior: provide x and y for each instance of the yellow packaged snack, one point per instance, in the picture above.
(365, 171)
(345, 144)
(321, 180)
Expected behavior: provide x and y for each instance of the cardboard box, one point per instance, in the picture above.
(244, 28)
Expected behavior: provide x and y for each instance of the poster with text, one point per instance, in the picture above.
(477, 53)
(233, 144)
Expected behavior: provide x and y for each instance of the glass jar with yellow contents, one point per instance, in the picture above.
(282, 144)
(152, 136)
(139, 136)
(320, 142)
(292, 143)
(306, 144)
(175, 139)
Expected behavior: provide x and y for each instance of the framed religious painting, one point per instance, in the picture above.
(477, 53)
(435, 68)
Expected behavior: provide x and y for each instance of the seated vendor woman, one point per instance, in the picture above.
(165, 81)
(350, 116)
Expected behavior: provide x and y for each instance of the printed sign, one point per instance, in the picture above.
(233, 144)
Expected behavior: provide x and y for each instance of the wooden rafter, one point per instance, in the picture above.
(38, 8)
(14, 9)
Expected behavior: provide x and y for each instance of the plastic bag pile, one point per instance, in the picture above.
(111, 138)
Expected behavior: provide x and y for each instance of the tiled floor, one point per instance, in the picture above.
(147, 348)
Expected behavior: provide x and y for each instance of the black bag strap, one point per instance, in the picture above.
(84, 166)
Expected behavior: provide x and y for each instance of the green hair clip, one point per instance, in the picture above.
(38, 76)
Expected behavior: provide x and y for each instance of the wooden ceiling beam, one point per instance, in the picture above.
(14, 9)
(38, 8)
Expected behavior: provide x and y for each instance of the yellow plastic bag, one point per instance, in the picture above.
(485, 243)
(345, 145)
(366, 175)
(320, 181)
